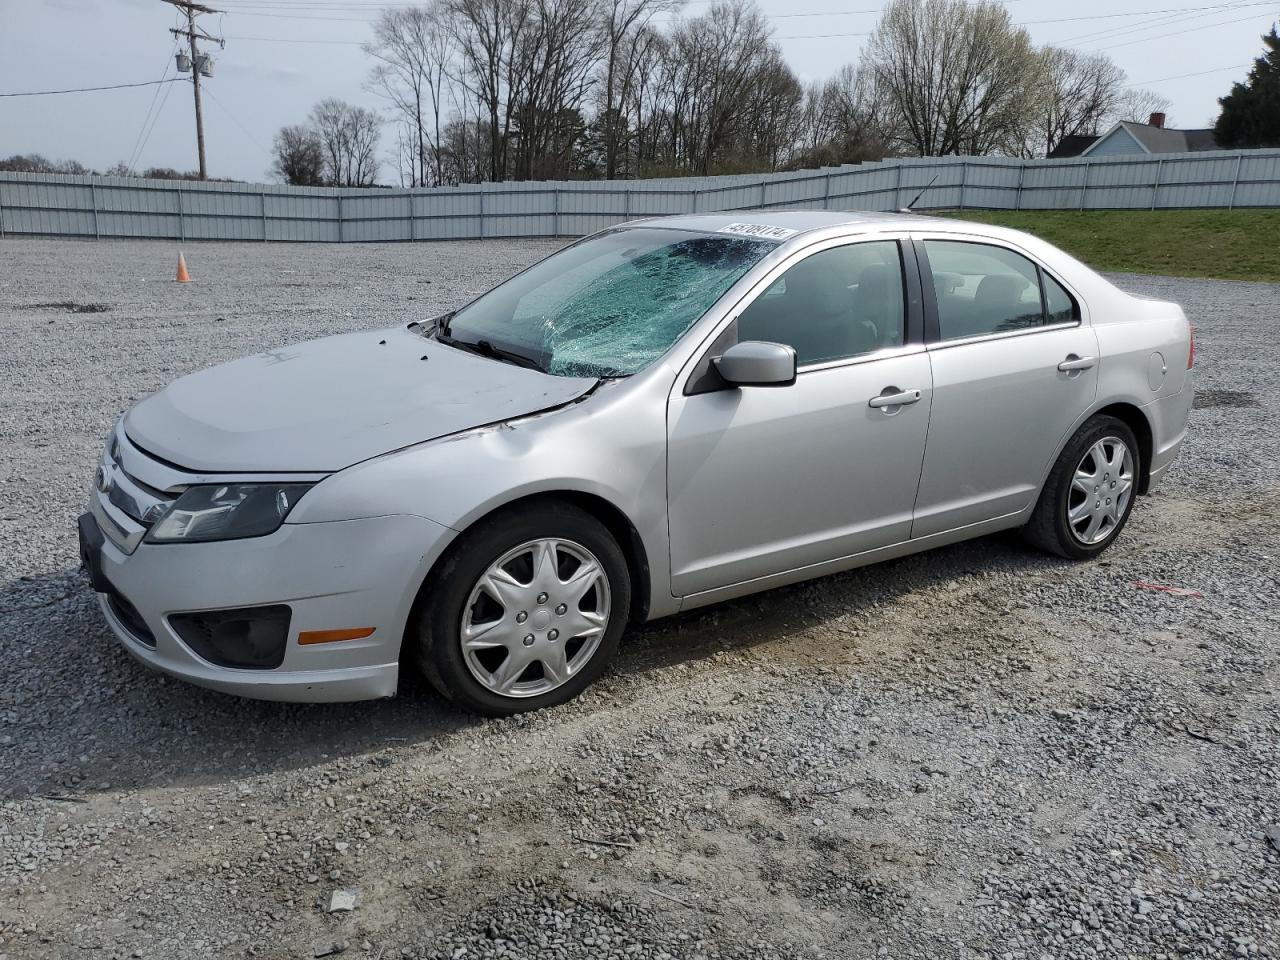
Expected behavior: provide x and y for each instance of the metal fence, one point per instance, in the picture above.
(101, 207)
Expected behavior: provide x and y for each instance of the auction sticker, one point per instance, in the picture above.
(758, 230)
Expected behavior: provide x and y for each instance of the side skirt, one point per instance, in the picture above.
(905, 548)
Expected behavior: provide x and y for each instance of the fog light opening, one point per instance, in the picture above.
(251, 638)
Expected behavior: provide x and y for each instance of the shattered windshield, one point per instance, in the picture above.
(609, 306)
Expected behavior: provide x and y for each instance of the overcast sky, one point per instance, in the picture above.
(261, 84)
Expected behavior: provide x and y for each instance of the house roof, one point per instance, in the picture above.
(1160, 139)
(1072, 145)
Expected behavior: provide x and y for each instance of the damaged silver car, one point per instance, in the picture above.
(662, 415)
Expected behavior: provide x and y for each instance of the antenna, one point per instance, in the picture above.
(907, 208)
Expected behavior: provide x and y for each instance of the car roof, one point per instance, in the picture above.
(800, 221)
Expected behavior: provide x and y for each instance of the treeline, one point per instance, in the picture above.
(542, 89)
(35, 163)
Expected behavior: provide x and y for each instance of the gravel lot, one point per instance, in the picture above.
(978, 752)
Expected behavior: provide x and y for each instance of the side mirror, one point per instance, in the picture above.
(757, 363)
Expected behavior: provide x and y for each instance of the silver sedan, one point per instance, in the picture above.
(663, 415)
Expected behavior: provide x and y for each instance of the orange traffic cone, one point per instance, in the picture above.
(183, 276)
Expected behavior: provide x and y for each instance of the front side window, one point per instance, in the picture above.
(608, 306)
(983, 289)
(838, 303)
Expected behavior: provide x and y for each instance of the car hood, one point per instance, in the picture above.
(323, 405)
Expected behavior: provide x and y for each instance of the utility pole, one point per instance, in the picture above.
(197, 65)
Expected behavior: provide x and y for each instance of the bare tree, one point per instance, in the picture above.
(35, 163)
(844, 121)
(1137, 106)
(349, 142)
(557, 63)
(960, 78)
(625, 34)
(414, 50)
(490, 36)
(299, 156)
(1078, 92)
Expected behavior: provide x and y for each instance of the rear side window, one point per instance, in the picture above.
(982, 289)
(1058, 305)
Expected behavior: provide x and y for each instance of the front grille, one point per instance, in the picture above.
(132, 497)
(128, 615)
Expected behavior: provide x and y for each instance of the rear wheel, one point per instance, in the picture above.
(1090, 492)
(526, 611)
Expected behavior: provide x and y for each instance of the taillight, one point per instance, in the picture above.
(1191, 345)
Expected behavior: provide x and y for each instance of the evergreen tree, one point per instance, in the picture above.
(1251, 111)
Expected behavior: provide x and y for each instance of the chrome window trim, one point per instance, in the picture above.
(887, 353)
(1002, 335)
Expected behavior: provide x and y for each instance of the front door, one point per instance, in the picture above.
(763, 480)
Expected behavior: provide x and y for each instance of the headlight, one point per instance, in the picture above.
(227, 511)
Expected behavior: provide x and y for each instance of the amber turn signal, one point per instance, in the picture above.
(333, 636)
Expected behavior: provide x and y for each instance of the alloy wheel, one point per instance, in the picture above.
(1101, 488)
(535, 617)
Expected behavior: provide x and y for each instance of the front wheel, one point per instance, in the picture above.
(525, 612)
(1090, 491)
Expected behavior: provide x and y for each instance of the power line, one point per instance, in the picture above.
(1175, 33)
(154, 121)
(236, 120)
(168, 63)
(114, 86)
(1125, 29)
(349, 43)
(1183, 76)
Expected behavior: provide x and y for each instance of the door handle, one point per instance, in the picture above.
(1073, 363)
(900, 398)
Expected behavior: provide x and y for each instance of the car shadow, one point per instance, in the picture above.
(79, 715)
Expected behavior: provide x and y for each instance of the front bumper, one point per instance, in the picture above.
(339, 575)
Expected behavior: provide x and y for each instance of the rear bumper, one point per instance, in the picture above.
(340, 575)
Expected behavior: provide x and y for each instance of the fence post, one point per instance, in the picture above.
(695, 199)
(413, 221)
(964, 177)
(262, 196)
(1017, 197)
(762, 194)
(340, 230)
(93, 193)
(1084, 185)
(897, 187)
(481, 214)
(1231, 201)
(626, 203)
(555, 209)
(826, 191)
(1, 211)
(1155, 187)
(182, 223)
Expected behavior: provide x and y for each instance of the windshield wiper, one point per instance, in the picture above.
(485, 348)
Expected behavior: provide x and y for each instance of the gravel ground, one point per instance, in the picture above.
(977, 752)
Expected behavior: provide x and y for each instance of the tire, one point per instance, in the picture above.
(1086, 501)
(503, 569)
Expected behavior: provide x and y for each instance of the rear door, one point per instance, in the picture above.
(1014, 365)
